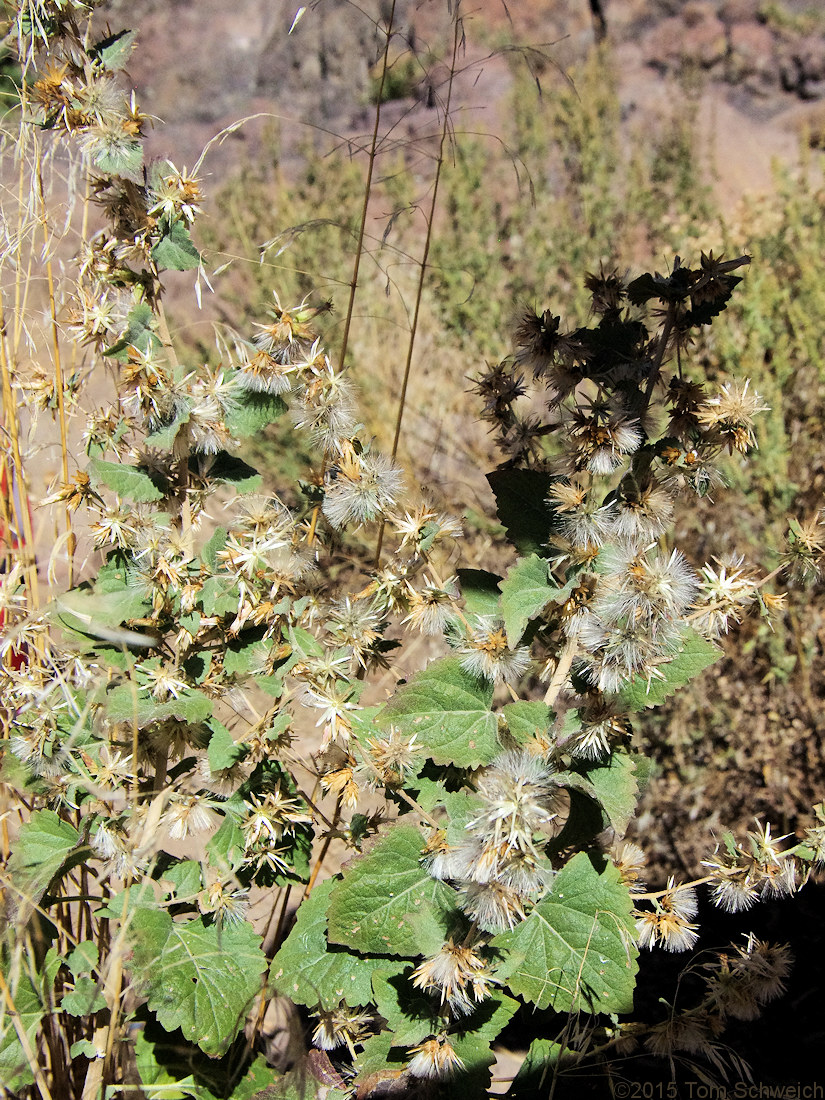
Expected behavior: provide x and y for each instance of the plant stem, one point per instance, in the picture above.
(422, 267)
(561, 671)
(59, 381)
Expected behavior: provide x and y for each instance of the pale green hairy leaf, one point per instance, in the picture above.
(536, 1073)
(127, 481)
(526, 719)
(44, 844)
(525, 592)
(113, 51)
(411, 1015)
(139, 333)
(473, 1044)
(480, 590)
(387, 904)
(448, 710)
(152, 1073)
(695, 655)
(613, 785)
(123, 704)
(251, 413)
(310, 971)
(175, 251)
(199, 978)
(14, 1064)
(576, 950)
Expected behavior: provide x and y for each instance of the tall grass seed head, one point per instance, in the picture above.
(691, 1032)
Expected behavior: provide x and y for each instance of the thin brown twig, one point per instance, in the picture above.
(422, 267)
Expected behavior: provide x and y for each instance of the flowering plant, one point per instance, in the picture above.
(156, 711)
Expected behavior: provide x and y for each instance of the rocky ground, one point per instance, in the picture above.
(203, 65)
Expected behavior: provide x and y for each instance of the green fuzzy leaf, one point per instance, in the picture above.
(175, 251)
(84, 1047)
(163, 439)
(191, 623)
(448, 710)
(304, 643)
(199, 978)
(520, 503)
(85, 999)
(410, 1014)
(153, 1073)
(41, 852)
(139, 333)
(462, 807)
(95, 613)
(387, 904)
(249, 651)
(379, 1059)
(112, 52)
(258, 1077)
(310, 971)
(83, 959)
(576, 950)
(128, 482)
(234, 471)
(123, 705)
(125, 160)
(186, 877)
(220, 595)
(225, 849)
(535, 1075)
(216, 543)
(223, 750)
(525, 592)
(612, 785)
(473, 1042)
(480, 590)
(139, 896)
(15, 1073)
(695, 655)
(251, 413)
(527, 719)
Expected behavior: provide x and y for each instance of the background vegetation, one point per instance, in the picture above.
(519, 222)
